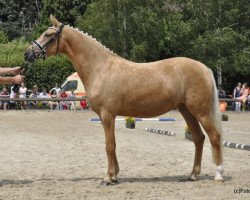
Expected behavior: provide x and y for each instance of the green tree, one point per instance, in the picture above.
(213, 32)
(64, 10)
(132, 29)
(3, 37)
(18, 17)
(67, 11)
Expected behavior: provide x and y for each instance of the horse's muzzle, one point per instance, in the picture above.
(29, 56)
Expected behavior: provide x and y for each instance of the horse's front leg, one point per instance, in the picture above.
(108, 122)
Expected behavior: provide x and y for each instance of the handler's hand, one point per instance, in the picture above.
(16, 70)
(18, 79)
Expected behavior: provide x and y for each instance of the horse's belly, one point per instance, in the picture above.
(146, 108)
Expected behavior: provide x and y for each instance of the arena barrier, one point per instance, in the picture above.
(76, 99)
(163, 132)
(236, 145)
(43, 99)
(138, 119)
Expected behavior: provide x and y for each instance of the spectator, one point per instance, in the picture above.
(221, 92)
(63, 104)
(243, 96)
(13, 95)
(84, 104)
(72, 103)
(248, 99)
(22, 94)
(4, 94)
(237, 90)
(236, 94)
(53, 104)
(43, 94)
(56, 88)
(34, 94)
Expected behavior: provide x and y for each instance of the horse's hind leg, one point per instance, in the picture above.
(215, 138)
(198, 139)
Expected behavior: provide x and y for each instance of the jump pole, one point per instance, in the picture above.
(138, 119)
(163, 132)
(236, 145)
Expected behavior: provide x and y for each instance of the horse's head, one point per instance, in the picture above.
(47, 44)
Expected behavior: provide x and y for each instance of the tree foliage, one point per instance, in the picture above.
(131, 28)
(18, 17)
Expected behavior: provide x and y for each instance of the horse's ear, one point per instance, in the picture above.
(54, 21)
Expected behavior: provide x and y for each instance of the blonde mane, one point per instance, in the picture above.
(91, 38)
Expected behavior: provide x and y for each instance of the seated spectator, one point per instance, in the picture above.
(22, 94)
(13, 95)
(248, 99)
(237, 89)
(4, 94)
(63, 105)
(236, 93)
(42, 95)
(53, 104)
(221, 92)
(84, 104)
(56, 88)
(34, 94)
(72, 103)
(243, 96)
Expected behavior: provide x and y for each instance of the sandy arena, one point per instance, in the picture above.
(61, 155)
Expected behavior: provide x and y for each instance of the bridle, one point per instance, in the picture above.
(43, 48)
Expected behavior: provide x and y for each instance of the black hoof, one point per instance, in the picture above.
(114, 181)
(191, 179)
(105, 183)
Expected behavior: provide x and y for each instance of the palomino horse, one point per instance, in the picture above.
(116, 86)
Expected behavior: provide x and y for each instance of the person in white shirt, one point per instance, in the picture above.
(13, 95)
(44, 94)
(22, 94)
(56, 88)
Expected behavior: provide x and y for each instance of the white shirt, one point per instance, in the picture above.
(57, 89)
(42, 95)
(22, 92)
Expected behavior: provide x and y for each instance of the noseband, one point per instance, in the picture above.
(43, 48)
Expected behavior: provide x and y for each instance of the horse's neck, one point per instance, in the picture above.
(88, 56)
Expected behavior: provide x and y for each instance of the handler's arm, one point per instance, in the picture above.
(18, 79)
(8, 70)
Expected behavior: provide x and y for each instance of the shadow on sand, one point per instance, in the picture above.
(182, 178)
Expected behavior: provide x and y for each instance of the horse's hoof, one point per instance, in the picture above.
(218, 176)
(105, 183)
(192, 178)
(218, 179)
(114, 181)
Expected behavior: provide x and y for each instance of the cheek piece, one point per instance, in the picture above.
(41, 53)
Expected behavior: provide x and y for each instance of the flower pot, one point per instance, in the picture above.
(188, 136)
(224, 117)
(132, 126)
